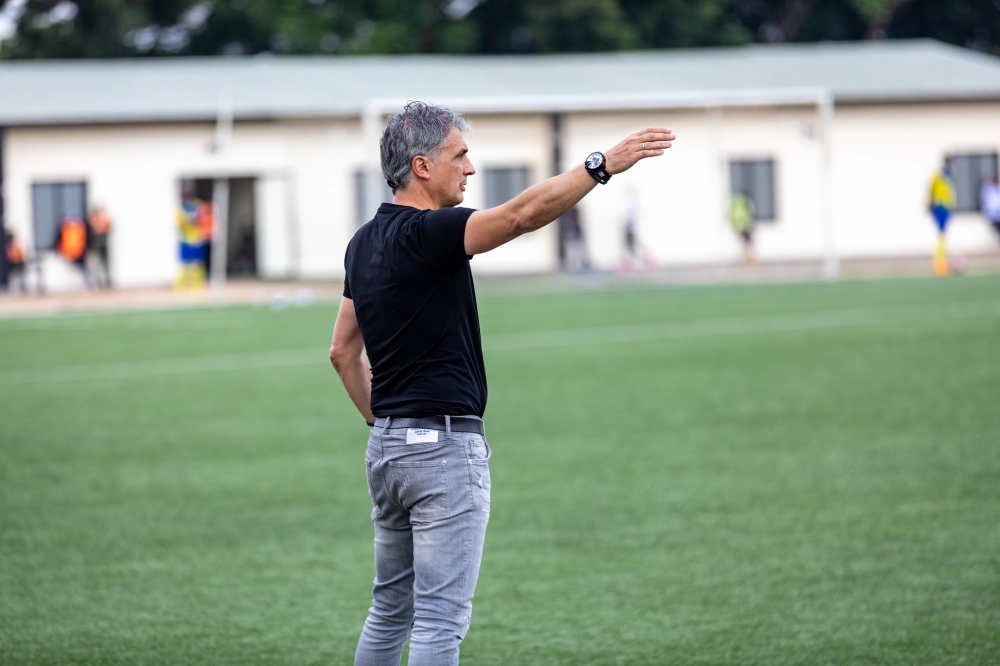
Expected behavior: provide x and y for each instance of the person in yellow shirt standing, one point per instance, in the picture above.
(741, 216)
(191, 246)
(942, 203)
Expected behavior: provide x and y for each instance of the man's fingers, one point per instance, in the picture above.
(656, 136)
(651, 149)
(653, 141)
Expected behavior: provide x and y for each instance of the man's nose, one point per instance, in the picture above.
(469, 169)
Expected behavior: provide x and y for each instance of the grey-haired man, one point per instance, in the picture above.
(409, 300)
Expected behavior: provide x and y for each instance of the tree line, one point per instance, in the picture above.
(150, 28)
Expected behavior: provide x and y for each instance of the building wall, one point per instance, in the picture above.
(887, 155)
(505, 142)
(306, 208)
(882, 160)
(134, 171)
(883, 157)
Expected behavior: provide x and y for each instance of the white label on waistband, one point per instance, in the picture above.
(419, 435)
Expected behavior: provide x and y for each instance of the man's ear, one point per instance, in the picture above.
(421, 167)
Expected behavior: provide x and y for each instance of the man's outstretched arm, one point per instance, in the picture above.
(347, 356)
(542, 203)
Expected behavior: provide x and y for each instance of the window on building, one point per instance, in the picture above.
(969, 172)
(754, 179)
(51, 204)
(502, 185)
(370, 191)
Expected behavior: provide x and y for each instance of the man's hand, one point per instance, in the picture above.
(650, 142)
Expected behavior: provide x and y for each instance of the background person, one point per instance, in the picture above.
(410, 302)
(635, 256)
(205, 219)
(989, 201)
(942, 203)
(741, 216)
(191, 246)
(573, 242)
(15, 261)
(99, 223)
(72, 245)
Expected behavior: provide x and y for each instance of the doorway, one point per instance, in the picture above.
(241, 248)
(238, 230)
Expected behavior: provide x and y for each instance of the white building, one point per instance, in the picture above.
(835, 142)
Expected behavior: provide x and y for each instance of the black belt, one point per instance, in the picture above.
(458, 423)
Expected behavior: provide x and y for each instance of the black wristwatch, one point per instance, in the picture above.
(595, 167)
(370, 425)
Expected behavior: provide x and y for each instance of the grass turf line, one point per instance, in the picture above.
(810, 495)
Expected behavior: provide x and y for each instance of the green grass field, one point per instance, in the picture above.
(797, 474)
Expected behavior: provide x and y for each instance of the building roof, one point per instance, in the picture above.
(187, 89)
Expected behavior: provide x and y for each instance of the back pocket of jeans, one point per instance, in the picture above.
(421, 488)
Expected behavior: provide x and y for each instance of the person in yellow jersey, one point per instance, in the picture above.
(191, 246)
(942, 203)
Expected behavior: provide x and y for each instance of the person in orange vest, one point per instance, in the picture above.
(15, 261)
(99, 226)
(205, 219)
(72, 244)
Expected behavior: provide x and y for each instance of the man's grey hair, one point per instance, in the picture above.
(421, 129)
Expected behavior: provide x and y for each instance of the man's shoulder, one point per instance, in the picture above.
(450, 212)
(366, 230)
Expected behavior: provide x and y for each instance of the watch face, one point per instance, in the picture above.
(595, 161)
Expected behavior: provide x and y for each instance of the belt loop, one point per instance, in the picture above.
(388, 422)
(447, 427)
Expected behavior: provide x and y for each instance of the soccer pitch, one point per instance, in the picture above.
(783, 474)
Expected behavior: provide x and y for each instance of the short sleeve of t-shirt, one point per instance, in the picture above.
(347, 288)
(440, 234)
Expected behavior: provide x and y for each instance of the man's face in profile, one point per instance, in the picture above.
(451, 169)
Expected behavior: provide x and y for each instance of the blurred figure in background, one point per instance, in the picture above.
(635, 256)
(573, 242)
(205, 219)
(100, 226)
(191, 242)
(989, 201)
(942, 203)
(72, 245)
(741, 215)
(15, 262)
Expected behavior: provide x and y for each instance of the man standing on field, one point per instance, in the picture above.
(409, 300)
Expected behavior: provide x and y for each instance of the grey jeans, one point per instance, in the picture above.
(430, 506)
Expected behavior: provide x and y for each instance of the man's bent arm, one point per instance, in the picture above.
(347, 356)
(542, 203)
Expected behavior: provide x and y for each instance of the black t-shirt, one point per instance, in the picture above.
(409, 278)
